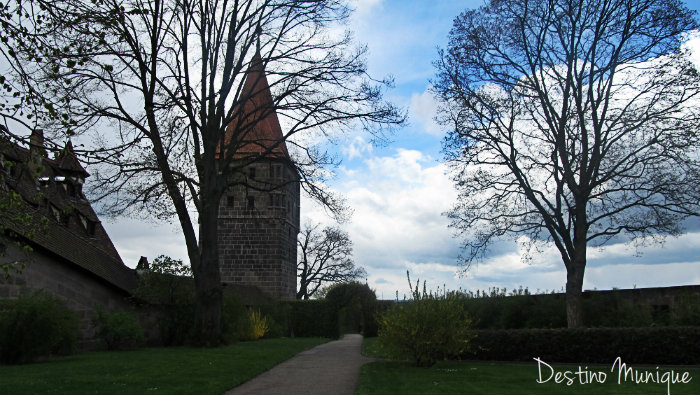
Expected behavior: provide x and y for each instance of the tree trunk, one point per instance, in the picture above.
(574, 281)
(207, 328)
(302, 290)
(574, 298)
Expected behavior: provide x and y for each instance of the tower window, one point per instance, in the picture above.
(251, 172)
(229, 201)
(275, 171)
(251, 202)
(276, 200)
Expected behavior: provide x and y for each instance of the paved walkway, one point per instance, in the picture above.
(331, 368)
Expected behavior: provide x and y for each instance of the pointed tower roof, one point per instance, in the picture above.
(67, 161)
(256, 123)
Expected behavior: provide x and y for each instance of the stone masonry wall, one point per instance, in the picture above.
(82, 291)
(258, 228)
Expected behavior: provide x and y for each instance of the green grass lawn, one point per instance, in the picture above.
(176, 370)
(464, 377)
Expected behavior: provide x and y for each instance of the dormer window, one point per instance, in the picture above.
(88, 226)
(91, 227)
(83, 221)
(55, 212)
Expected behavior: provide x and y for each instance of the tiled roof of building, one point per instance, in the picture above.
(256, 125)
(61, 220)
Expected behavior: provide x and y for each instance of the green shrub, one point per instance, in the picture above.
(168, 288)
(234, 322)
(426, 329)
(36, 325)
(120, 330)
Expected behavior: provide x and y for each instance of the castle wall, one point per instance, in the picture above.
(83, 292)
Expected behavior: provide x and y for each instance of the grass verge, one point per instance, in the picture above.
(177, 370)
(466, 377)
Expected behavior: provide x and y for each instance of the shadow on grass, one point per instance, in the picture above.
(476, 377)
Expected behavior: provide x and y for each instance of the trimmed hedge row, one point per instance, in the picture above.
(654, 345)
(600, 309)
(346, 308)
(313, 318)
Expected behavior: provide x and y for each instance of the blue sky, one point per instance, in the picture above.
(399, 191)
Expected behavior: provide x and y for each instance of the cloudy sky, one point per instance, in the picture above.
(399, 191)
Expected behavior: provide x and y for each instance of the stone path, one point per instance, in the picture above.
(331, 368)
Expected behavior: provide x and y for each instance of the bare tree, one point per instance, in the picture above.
(325, 257)
(158, 82)
(574, 123)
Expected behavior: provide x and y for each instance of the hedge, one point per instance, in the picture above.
(652, 345)
(603, 309)
(313, 318)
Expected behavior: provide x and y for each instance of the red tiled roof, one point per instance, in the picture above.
(256, 125)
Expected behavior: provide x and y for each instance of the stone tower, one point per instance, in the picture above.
(259, 215)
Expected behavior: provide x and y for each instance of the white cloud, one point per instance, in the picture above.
(424, 108)
(693, 45)
(398, 201)
(364, 7)
(357, 148)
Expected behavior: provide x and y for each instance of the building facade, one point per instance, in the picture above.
(71, 255)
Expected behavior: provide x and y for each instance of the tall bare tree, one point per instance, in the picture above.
(159, 81)
(325, 257)
(575, 123)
